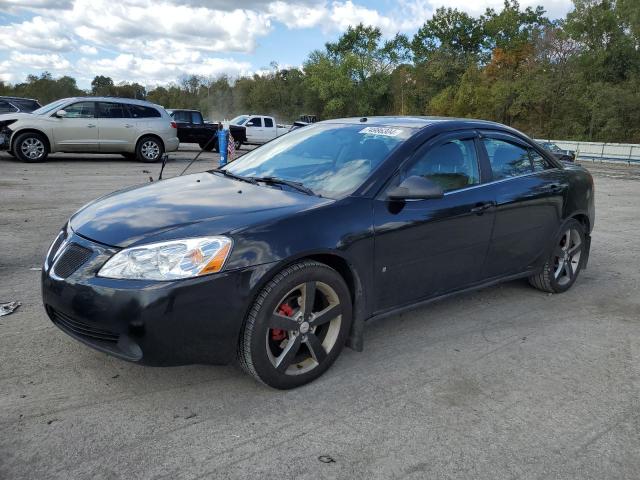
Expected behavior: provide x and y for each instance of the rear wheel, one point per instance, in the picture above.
(565, 262)
(297, 326)
(237, 144)
(149, 149)
(31, 147)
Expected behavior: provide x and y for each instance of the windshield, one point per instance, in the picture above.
(240, 120)
(50, 107)
(332, 160)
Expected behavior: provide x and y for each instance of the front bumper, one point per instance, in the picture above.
(153, 323)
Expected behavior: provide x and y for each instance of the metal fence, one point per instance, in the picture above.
(612, 152)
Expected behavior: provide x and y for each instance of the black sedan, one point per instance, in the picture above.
(279, 259)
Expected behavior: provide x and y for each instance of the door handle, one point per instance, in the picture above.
(91, 125)
(480, 208)
(553, 188)
(128, 125)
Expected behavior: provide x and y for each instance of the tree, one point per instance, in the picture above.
(102, 86)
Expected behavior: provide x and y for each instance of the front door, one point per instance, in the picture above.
(117, 130)
(78, 130)
(255, 130)
(425, 248)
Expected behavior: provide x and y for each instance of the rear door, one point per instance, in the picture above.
(529, 193)
(424, 248)
(117, 131)
(78, 130)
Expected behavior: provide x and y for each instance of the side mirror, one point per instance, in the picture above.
(61, 113)
(416, 188)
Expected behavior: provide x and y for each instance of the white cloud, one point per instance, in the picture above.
(152, 71)
(36, 34)
(88, 50)
(51, 61)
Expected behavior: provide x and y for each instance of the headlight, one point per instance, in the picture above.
(172, 260)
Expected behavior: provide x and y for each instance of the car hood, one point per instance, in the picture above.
(194, 205)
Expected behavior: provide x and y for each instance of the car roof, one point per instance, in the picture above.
(415, 122)
(3, 97)
(113, 99)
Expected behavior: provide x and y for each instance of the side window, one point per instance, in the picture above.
(196, 118)
(452, 165)
(507, 159)
(268, 122)
(181, 117)
(539, 162)
(255, 122)
(139, 111)
(111, 110)
(6, 107)
(80, 110)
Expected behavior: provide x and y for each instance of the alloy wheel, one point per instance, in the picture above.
(32, 148)
(566, 257)
(304, 328)
(150, 150)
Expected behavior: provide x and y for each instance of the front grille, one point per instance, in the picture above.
(82, 329)
(73, 257)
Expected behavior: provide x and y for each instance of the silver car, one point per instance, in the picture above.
(134, 128)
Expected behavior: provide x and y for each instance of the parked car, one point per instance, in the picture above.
(279, 258)
(193, 129)
(260, 129)
(559, 153)
(303, 121)
(134, 128)
(18, 104)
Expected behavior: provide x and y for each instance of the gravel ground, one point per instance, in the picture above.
(506, 382)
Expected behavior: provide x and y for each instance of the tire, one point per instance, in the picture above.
(283, 343)
(10, 152)
(31, 147)
(149, 149)
(237, 144)
(565, 261)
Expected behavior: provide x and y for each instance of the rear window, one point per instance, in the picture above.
(268, 122)
(26, 105)
(181, 116)
(139, 111)
(6, 107)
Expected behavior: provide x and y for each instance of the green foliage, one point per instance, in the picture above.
(574, 78)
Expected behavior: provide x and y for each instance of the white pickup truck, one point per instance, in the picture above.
(260, 128)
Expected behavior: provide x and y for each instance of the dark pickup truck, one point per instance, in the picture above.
(193, 129)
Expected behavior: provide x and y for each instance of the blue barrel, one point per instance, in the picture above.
(222, 144)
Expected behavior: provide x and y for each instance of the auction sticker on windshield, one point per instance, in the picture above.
(388, 132)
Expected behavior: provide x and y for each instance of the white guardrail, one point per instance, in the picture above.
(612, 152)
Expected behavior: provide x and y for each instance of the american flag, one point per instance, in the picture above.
(231, 148)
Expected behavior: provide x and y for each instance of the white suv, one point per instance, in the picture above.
(133, 128)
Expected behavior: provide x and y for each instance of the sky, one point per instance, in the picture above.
(156, 42)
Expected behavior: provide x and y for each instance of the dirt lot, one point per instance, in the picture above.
(506, 382)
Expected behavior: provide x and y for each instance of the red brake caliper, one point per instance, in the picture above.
(278, 334)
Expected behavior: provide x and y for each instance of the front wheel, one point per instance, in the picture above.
(149, 149)
(297, 326)
(565, 261)
(31, 147)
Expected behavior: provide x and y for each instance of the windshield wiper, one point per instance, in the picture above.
(289, 183)
(226, 173)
